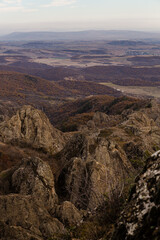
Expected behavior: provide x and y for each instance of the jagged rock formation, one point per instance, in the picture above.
(141, 217)
(31, 127)
(91, 167)
(34, 177)
(27, 204)
(23, 218)
(137, 132)
(95, 162)
(100, 120)
(144, 136)
(153, 112)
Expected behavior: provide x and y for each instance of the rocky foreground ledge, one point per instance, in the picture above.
(141, 217)
(30, 209)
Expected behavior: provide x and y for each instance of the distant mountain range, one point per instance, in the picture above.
(80, 35)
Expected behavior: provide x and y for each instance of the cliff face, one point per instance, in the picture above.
(141, 217)
(92, 170)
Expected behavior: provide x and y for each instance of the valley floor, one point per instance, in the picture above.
(138, 91)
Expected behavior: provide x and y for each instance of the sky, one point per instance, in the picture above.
(67, 15)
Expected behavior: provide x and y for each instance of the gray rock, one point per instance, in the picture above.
(68, 213)
(22, 216)
(34, 177)
(31, 127)
(25, 210)
(96, 168)
(141, 217)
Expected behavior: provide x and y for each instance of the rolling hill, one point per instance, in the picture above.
(16, 84)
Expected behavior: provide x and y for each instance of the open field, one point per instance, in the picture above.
(80, 68)
(136, 90)
(81, 53)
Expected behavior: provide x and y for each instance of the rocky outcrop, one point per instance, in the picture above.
(92, 166)
(30, 127)
(139, 122)
(22, 218)
(100, 120)
(103, 120)
(68, 214)
(138, 132)
(142, 136)
(141, 217)
(100, 159)
(153, 112)
(34, 177)
(26, 207)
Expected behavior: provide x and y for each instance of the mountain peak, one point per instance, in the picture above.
(31, 127)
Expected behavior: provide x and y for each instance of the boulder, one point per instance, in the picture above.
(68, 214)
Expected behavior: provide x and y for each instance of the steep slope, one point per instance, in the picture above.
(141, 217)
(90, 167)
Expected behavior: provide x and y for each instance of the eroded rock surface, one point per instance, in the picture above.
(68, 214)
(34, 177)
(141, 217)
(97, 167)
(96, 162)
(31, 127)
(25, 210)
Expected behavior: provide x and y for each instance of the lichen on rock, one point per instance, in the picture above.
(141, 217)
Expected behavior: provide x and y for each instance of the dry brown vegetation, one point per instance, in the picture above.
(17, 84)
(124, 75)
(20, 85)
(88, 88)
(69, 116)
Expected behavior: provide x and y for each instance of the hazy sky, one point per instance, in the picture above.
(19, 15)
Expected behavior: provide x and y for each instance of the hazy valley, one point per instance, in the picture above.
(79, 128)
